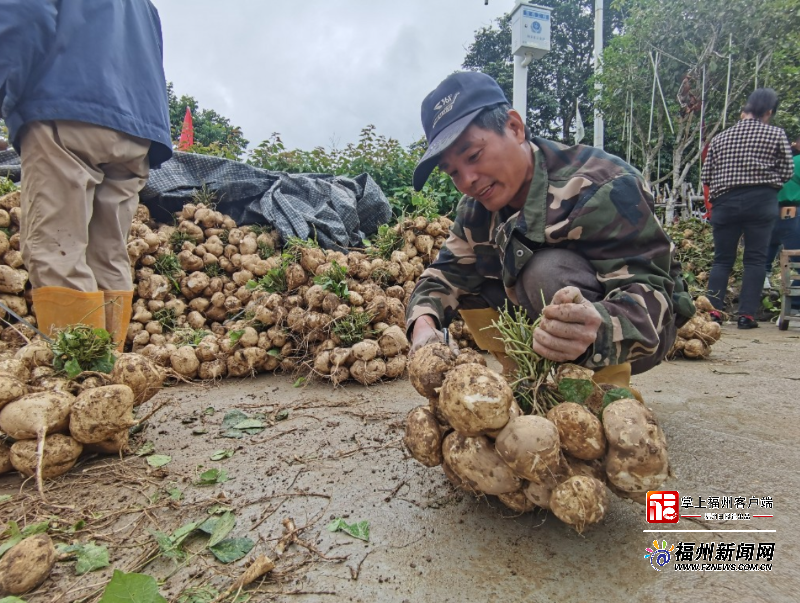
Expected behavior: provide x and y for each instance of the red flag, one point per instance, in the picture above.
(187, 132)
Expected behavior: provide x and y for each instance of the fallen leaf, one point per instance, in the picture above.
(258, 568)
(232, 550)
(131, 588)
(222, 528)
(358, 530)
(213, 476)
(222, 454)
(158, 460)
(249, 424)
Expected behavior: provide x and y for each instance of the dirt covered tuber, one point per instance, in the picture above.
(517, 501)
(530, 446)
(116, 444)
(59, 456)
(474, 399)
(32, 414)
(27, 564)
(428, 367)
(140, 374)
(100, 413)
(580, 501)
(637, 449)
(539, 494)
(476, 462)
(367, 373)
(580, 431)
(423, 437)
(11, 389)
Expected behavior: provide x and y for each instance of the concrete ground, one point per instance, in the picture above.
(732, 423)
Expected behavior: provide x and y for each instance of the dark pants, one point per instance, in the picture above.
(548, 271)
(785, 233)
(750, 211)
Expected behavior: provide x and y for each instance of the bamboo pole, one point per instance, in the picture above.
(630, 131)
(728, 83)
(661, 92)
(702, 126)
(652, 99)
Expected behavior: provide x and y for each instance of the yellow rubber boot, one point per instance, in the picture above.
(60, 307)
(118, 309)
(619, 375)
(487, 337)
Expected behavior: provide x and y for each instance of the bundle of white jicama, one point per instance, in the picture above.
(560, 455)
(696, 337)
(51, 418)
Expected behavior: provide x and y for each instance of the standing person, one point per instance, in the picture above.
(540, 223)
(786, 232)
(746, 166)
(83, 93)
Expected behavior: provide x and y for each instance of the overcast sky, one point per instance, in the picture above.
(318, 71)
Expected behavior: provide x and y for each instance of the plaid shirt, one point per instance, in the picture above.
(751, 153)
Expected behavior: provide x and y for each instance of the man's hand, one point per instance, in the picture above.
(425, 332)
(568, 327)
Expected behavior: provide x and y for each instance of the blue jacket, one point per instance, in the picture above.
(93, 61)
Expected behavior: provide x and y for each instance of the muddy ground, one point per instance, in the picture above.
(732, 423)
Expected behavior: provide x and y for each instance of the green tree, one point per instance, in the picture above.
(692, 42)
(213, 133)
(557, 80)
(389, 163)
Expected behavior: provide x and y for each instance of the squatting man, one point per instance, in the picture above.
(543, 221)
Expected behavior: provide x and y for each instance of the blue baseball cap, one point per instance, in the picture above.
(448, 110)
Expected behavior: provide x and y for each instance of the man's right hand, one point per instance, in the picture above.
(425, 332)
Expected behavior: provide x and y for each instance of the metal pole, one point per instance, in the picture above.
(702, 125)
(728, 83)
(598, 69)
(521, 86)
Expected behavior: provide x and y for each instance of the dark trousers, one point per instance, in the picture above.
(548, 271)
(750, 212)
(785, 233)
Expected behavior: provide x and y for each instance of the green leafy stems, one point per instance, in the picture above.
(168, 266)
(334, 279)
(352, 328)
(529, 382)
(80, 348)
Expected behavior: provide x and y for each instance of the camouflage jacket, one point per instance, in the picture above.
(584, 200)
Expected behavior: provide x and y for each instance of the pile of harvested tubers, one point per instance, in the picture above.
(51, 420)
(696, 337)
(213, 299)
(564, 462)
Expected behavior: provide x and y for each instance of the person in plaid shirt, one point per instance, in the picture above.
(746, 166)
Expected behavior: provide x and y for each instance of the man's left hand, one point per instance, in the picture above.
(568, 327)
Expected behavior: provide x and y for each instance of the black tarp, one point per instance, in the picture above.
(339, 212)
